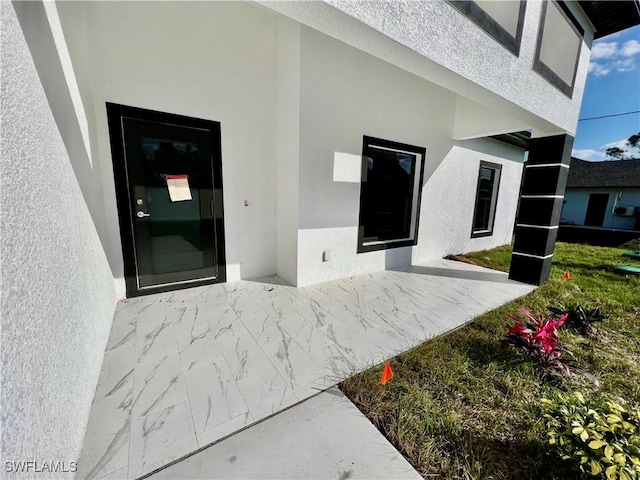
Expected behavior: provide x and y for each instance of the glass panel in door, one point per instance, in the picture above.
(171, 185)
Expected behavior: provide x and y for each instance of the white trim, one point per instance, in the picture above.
(419, 160)
(537, 226)
(414, 154)
(541, 165)
(383, 242)
(541, 196)
(181, 282)
(533, 256)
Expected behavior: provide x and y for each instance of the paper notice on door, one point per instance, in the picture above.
(178, 186)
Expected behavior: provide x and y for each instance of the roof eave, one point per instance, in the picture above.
(611, 16)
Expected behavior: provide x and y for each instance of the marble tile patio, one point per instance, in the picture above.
(187, 368)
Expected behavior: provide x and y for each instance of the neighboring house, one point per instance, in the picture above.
(149, 146)
(603, 194)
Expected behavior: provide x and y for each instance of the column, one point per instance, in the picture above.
(541, 200)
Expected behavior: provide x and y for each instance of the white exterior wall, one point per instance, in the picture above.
(346, 94)
(577, 200)
(212, 60)
(436, 42)
(288, 98)
(287, 148)
(57, 293)
(449, 196)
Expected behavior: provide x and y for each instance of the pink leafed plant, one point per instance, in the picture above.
(537, 337)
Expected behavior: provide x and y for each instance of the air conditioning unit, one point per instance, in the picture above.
(624, 211)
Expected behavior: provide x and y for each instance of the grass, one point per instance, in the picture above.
(465, 406)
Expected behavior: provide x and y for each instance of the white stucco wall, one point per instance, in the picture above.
(288, 98)
(57, 292)
(577, 200)
(212, 60)
(71, 108)
(438, 43)
(346, 94)
(287, 148)
(485, 62)
(450, 193)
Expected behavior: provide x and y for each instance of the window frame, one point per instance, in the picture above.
(418, 176)
(495, 194)
(539, 66)
(490, 26)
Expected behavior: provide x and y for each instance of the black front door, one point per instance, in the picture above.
(596, 209)
(168, 177)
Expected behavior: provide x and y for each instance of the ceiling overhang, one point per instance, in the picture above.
(611, 16)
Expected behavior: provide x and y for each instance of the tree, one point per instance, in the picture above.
(616, 153)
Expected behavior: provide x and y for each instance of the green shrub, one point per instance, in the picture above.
(579, 317)
(601, 437)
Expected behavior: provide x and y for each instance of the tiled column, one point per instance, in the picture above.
(541, 199)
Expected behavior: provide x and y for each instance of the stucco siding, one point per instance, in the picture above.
(449, 199)
(57, 294)
(484, 61)
(287, 148)
(426, 38)
(212, 60)
(346, 94)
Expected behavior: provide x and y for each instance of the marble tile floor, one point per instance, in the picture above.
(184, 369)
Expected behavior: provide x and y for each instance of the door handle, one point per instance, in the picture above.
(142, 214)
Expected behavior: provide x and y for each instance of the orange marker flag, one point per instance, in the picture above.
(566, 275)
(387, 373)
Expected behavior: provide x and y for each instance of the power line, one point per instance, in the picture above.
(607, 116)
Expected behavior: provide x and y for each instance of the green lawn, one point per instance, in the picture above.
(466, 406)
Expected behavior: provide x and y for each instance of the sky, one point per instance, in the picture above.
(613, 86)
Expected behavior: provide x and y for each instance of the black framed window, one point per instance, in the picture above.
(502, 20)
(486, 199)
(390, 192)
(558, 47)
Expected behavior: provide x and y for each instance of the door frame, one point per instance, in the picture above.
(115, 113)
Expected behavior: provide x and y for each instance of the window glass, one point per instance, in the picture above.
(558, 48)
(503, 20)
(389, 194)
(506, 13)
(560, 44)
(486, 199)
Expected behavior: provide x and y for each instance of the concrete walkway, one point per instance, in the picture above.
(184, 369)
(324, 437)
